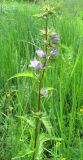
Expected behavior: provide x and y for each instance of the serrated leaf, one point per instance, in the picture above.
(28, 120)
(41, 140)
(45, 120)
(23, 155)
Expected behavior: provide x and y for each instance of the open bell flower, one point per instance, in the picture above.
(35, 64)
(54, 52)
(40, 53)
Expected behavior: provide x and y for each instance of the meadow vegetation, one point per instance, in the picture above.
(61, 132)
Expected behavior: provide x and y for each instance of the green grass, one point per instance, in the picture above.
(19, 38)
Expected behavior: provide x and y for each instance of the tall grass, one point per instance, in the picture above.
(19, 38)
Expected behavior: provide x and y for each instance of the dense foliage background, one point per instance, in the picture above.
(63, 108)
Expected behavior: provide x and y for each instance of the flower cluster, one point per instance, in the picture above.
(35, 63)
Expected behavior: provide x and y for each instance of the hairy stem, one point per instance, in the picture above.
(39, 95)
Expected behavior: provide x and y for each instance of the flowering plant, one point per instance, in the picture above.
(50, 39)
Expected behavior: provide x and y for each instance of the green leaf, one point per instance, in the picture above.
(24, 74)
(75, 65)
(50, 89)
(46, 122)
(29, 120)
(41, 140)
(30, 152)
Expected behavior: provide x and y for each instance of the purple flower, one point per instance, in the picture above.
(35, 64)
(43, 64)
(40, 53)
(55, 37)
(54, 52)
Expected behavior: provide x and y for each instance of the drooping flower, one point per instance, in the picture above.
(43, 64)
(40, 53)
(54, 52)
(35, 64)
(43, 91)
(55, 37)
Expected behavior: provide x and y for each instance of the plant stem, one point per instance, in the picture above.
(37, 123)
(39, 95)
